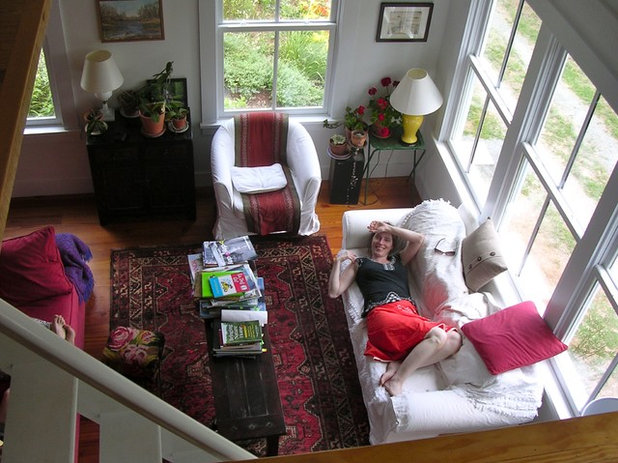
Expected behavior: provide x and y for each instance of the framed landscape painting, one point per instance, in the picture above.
(128, 20)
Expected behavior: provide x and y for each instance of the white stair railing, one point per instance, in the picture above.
(53, 381)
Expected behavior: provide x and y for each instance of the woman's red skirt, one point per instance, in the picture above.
(394, 329)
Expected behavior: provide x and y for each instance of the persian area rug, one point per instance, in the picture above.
(314, 363)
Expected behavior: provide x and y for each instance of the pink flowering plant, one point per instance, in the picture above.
(383, 116)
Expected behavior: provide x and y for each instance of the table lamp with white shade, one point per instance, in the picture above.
(415, 96)
(101, 76)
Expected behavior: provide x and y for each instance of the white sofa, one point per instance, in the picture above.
(458, 394)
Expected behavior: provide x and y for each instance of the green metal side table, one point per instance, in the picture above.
(393, 143)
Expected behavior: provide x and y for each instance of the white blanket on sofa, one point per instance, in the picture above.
(459, 394)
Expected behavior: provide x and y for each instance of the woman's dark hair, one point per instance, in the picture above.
(398, 243)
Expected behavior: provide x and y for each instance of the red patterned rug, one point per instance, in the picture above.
(318, 383)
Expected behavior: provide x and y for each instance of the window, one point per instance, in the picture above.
(51, 104)
(536, 144)
(275, 54)
(42, 108)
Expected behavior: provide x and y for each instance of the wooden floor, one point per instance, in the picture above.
(77, 215)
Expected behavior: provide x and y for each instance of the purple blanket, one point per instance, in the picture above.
(75, 253)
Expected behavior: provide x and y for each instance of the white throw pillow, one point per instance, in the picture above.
(258, 179)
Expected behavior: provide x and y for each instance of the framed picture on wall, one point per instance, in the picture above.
(404, 22)
(177, 90)
(129, 20)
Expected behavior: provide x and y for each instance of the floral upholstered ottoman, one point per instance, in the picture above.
(134, 353)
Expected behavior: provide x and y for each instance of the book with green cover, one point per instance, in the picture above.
(206, 276)
(203, 290)
(238, 333)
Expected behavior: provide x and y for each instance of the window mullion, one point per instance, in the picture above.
(509, 46)
(503, 110)
(274, 101)
(580, 139)
(533, 235)
(477, 135)
(554, 193)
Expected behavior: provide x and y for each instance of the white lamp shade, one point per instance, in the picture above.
(101, 76)
(416, 94)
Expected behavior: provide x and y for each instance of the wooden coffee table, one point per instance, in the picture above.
(247, 402)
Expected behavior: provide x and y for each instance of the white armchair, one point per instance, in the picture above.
(303, 164)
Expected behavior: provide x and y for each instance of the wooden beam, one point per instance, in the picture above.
(22, 26)
(585, 439)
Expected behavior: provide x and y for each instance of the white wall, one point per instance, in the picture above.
(57, 163)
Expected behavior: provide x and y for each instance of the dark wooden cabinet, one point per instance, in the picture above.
(136, 176)
(345, 178)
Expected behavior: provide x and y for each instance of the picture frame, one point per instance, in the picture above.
(177, 90)
(130, 20)
(404, 22)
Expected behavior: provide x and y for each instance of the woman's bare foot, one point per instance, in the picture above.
(62, 329)
(57, 326)
(394, 386)
(70, 334)
(391, 369)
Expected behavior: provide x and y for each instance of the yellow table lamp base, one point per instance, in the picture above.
(410, 125)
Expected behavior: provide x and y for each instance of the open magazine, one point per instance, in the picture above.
(228, 252)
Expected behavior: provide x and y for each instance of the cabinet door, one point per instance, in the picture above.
(117, 180)
(169, 173)
(122, 191)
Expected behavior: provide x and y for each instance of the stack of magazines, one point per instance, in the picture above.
(225, 284)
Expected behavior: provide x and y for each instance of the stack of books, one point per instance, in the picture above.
(240, 338)
(228, 290)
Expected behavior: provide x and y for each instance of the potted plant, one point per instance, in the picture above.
(129, 103)
(338, 145)
(353, 120)
(358, 138)
(152, 101)
(177, 114)
(95, 125)
(383, 116)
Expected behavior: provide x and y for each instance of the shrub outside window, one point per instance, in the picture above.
(276, 54)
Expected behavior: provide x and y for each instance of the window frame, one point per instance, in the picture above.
(57, 69)
(212, 28)
(597, 245)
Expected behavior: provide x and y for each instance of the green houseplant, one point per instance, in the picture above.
(353, 120)
(153, 97)
(338, 145)
(129, 103)
(177, 114)
(95, 125)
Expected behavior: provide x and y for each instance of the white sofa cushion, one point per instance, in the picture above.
(261, 179)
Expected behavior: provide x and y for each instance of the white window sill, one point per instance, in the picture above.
(44, 130)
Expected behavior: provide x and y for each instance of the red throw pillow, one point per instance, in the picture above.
(513, 337)
(31, 268)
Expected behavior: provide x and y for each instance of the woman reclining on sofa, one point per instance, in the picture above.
(397, 334)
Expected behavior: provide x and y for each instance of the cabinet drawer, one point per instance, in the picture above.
(115, 155)
(164, 152)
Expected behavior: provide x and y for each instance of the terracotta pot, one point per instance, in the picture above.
(338, 150)
(150, 127)
(179, 124)
(358, 138)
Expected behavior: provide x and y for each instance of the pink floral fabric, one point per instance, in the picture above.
(134, 352)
